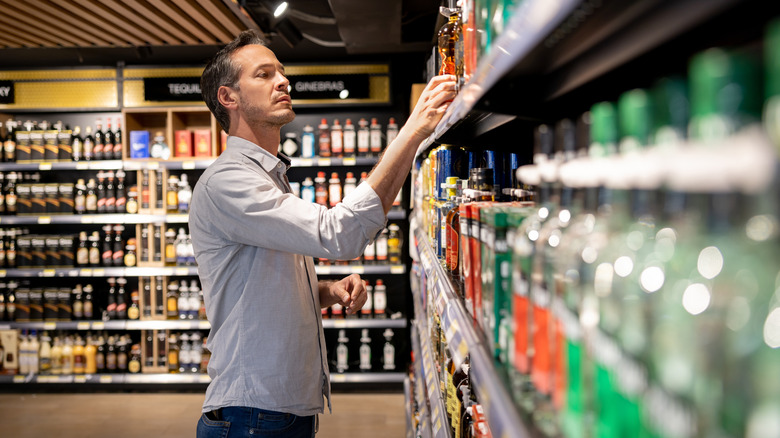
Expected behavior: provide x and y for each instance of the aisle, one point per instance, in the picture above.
(175, 415)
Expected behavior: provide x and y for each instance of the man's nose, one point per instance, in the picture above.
(282, 83)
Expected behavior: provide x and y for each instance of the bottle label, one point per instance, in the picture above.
(365, 357)
(133, 313)
(363, 141)
(388, 357)
(134, 366)
(376, 140)
(380, 302)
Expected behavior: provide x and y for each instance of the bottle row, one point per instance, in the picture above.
(343, 358)
(386, 249)
(188, 143)
(337, 141)
(149, 298)
(329, 192)
(639, 300)
(40, 141)
(27, 353)
(151, 247)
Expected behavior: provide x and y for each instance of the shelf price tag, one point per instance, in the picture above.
(153, 165)
(338, 378)
(89, 219)
(98, 325)
(105, 379)
(98, 272)
(325, 161)
(181, 271)
(340, 323)
(397, 269)
(86, 273)
(204, 325)
(82, 166)
(188, 165)
(18, 379)
(80, 379)
(306, 162)
(358, 270)
(49, 325)
(48, 272)
(44, 166)
(349, 161)
(44, 220)
(204, 378)
(437, 426)
(323, 270)
(2, 272)
(82, 326)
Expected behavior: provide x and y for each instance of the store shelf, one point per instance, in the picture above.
(419, 390)
(99, 272)
(108, 379)
(61, 165)
(408, 402)
(396, 215)
(151, 164)
(363, 323)
(463, 339)
(46, 219)
(360, 269)
(325, 162)
(367, 377)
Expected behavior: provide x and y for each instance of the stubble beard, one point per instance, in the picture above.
(256, 116)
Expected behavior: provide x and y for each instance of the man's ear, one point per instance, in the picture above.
(227, 97)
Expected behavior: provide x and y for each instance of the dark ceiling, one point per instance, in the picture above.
(344, 30)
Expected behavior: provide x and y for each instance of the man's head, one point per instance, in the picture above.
(246, 61)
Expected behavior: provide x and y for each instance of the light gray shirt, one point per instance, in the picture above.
(254, 242)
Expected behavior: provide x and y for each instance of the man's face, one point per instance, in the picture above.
(263, 97)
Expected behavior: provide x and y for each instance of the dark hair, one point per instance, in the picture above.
(221, 70)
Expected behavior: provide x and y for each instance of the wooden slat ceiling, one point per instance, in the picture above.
(119, 23)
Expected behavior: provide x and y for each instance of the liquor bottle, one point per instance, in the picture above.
(184, 301)
(118, 140)
(159, 200)
(365, 351)
(77, 143)
(147, 297)
(185, 194)
(111, 353)
(131, 258)
(98, 151)
(90, 356)
(108, 247)
(350, 139)
(375, 137)
(89, 306)
(193, 300)
(134, 311)
(388, 351)
(121, 354)
(320, 189)
(108, 142)
(121, 299)
(134, 363)
(111, 306)
(100, 192)
(157, 243)
(159, 148)
(380, 299)
(172, 300)
(90, 197)
(159, 296)
(88, 146)
(10, 194)
(392, 131)
(336, 139)
(307, 142)
(145, 190)
(94, 258)
(9, 145)
(172, 195)
(394, 244)
(307, 190)
(173, 354)
(342, 353)
(118, 253)
(162, 350)
(110, 203)
(79, 356)
(450, 45)
(334, 189)
(350, 183)
(324, 148)
(381, 247)
(184, 353)
(181, 248)
(121, 194)
(78, 303)
(363, 138)
(196, 353)
(44, 362)
(67, 357)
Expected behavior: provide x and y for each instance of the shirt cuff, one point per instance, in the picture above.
(367, 206)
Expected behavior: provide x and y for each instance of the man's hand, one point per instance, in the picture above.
(433, 102)
(350, 292)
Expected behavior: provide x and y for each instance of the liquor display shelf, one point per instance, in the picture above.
(463, 339)
(438, 414)
(182, 325)
(46, 219)
(197, 379)
(408, 397)
(180, 271)
(553, 48)
(174, 164)
(420, 393)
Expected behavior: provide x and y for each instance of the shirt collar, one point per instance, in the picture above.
(251, 150)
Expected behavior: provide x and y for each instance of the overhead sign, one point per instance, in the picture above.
(321, 87)
(6, 91)
(180, 89)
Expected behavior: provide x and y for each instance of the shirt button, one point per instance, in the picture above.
(279, 165)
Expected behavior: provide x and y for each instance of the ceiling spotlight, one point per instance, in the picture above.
(280, 9)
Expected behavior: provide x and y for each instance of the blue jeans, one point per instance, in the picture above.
(252, 422)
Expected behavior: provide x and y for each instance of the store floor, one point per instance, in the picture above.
(175, 415)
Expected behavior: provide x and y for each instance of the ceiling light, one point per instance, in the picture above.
(280, 9)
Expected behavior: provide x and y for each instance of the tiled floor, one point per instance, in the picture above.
(175, 415)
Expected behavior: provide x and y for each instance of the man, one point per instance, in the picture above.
(254, 243)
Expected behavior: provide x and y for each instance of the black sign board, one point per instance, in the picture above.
(6, 91)
(181, 89)
(319, 87)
